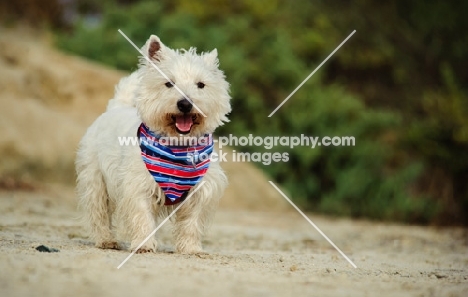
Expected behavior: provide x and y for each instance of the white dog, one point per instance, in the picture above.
(132, 186)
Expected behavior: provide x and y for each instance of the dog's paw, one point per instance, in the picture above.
(108, 245)
(190, 249)
(151, 246)
(144, 250)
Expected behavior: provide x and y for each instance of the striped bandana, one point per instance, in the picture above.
(175, 168)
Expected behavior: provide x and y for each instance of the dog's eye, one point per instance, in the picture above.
(169, 84)
(200, 85)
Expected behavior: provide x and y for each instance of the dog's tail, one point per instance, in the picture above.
(125, 92)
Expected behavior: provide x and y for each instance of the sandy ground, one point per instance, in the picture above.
(248, 253)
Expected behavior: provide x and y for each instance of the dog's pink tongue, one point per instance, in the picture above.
(184, 122)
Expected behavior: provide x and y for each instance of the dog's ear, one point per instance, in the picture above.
(211, 58)
(153, 48)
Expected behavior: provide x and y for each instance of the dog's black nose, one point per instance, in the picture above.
(184, 105)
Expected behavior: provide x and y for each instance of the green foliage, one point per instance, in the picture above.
(403, 100)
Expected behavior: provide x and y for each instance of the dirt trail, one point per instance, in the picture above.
(248, 254)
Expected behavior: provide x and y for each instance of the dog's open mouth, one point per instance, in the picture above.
(183, 123)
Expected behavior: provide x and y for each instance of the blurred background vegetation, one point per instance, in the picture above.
(399, 85)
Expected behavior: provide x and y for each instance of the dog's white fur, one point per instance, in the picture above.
(113, 184)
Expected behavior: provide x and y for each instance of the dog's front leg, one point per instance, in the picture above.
(187, 228)
(136, 209)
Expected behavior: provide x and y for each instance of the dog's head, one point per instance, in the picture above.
(188, 96)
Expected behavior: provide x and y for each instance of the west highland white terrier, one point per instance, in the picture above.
(131, 187)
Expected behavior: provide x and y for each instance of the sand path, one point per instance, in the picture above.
(248, 254)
